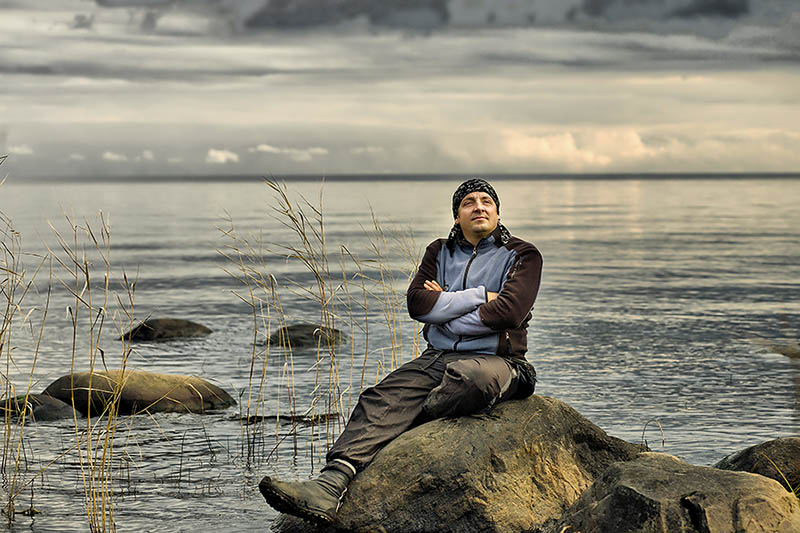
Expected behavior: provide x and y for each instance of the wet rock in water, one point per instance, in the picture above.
(783, 453)
(164, 329)
(306, 336)
(510, 470)
(140, 391)
(657, 493)
(38, 408)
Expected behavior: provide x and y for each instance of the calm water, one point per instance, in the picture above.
(654, 296)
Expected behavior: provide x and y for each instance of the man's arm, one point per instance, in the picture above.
(436, 306)
(515, 300)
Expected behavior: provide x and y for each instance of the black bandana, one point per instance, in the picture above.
(470, 186)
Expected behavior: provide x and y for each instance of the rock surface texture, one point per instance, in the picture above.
(139, 392)
(657, 493)
(38, 408)
(509, 471)
(164, 329)
(306, 336)
(763, 459)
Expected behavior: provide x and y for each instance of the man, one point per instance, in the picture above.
(475, 292)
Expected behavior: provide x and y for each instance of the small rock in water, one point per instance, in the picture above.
(139, 391)
(38, 408)
(657, 493)
(778, 459)
(163, 329)
(306, 336)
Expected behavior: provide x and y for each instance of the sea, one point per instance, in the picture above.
(665, 301)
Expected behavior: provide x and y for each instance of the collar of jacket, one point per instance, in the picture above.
(500, 234)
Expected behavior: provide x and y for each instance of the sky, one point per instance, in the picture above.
(276, 87)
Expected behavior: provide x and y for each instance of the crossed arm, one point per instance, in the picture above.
(476, 311)
(467, 324)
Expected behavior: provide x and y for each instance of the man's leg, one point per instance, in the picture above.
(388, 409)
(471, 385)
(433, 385)
(382, 413)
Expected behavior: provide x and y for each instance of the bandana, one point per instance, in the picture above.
(470, 186)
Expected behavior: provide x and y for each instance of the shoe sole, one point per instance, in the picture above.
(281, 503)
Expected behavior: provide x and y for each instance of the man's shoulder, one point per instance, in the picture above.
(437, 244)
(521, 246)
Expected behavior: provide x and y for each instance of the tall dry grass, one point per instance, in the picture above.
(356, 292)
(82, 252)
(16, 282)
(95, 306)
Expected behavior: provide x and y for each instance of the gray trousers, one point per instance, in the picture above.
(434, 385)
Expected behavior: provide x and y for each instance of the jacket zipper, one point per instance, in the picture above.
(469, 264)
(464, 286)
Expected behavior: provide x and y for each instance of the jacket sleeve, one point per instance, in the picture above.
(469, 324)
(435, 307)
(513, 303)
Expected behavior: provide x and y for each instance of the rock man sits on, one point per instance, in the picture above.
(475, 292)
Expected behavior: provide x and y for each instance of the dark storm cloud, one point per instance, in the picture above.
(681, 9)
(305, 13)
(135, 3)
(82, 22)
(294, 14)
(713, 8)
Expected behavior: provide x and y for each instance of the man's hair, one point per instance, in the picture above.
(470, 186)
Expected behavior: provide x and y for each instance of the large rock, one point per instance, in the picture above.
(763, 459)
(164, 329)
(507, 471)
(37, 408)
(139, 391)
(306, 336)
(657, 493)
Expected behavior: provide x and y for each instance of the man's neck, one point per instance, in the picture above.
(475, 238)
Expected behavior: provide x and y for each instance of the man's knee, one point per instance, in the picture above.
(469, 386)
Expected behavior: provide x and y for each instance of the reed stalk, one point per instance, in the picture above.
(364, 287)
(94, 435)
(15, 284)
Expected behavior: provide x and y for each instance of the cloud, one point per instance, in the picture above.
(367, 150)
(20, 149)
(553, 149)
(634, 150)
(146, 155)
(113, 156)
(296, 154)
(221, 157)
(713, 8)
(414, 14)
(77, 157)
(82, 22)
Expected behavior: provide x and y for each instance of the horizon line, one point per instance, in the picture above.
(533, 176)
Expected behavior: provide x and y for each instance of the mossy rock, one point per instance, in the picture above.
(306, 336)
(138, 391)
(165, 329)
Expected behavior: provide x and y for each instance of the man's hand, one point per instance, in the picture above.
(490, 296)
(432, 286)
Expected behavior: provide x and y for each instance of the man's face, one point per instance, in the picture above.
(477, 216)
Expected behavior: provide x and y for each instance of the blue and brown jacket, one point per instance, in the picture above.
(460, 318)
